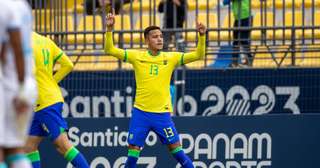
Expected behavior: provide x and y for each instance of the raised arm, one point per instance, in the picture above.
(109, 48)
(201, 47)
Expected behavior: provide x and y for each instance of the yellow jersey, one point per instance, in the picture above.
(46, 54)
(153, 73)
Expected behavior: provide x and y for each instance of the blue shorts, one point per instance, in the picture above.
(48, 122)
(142, 122)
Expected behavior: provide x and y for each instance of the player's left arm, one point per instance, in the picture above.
(66, 67)
(201, 47)
(66, 64)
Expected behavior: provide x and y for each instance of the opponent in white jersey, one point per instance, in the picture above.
(17, 120)
(6, 23)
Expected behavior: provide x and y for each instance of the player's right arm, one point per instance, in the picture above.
(110, 49)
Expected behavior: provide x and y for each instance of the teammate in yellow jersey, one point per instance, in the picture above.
(152, 107)
(47, 120)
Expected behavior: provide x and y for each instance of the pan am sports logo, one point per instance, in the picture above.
(223, 151)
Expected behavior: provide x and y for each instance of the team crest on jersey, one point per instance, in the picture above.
(165, 62)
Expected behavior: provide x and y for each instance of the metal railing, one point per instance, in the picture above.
(285, 32)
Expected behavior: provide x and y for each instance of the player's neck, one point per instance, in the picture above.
(154, 52)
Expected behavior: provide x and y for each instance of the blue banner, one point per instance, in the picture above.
(269, 141)
(199, 92)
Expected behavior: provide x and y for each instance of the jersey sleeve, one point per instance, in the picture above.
(131, 55)
(176, 57)
(55, 50)
(59, 56)
(66, 67)
(124, 55)
(196, 55)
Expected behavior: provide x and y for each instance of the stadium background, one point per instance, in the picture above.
(276, 100)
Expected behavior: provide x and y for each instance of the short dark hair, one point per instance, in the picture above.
(150, 28)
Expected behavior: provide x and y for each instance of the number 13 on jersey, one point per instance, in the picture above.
(154, 69)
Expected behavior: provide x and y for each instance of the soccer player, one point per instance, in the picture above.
(48, 120)
(18, 82)
(152, 107)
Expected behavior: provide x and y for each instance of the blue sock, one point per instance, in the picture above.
(182, 158)
(3, 165)
(76, 158)
(34, 157)
(132, 159)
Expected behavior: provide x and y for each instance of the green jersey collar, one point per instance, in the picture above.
(149, 52)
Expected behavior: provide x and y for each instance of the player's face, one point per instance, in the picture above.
(155, 40)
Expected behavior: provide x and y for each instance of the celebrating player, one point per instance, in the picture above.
(47, 120)
(152, 107)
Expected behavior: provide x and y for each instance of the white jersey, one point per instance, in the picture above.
(7, 21)
(16, 126)
(23, 16)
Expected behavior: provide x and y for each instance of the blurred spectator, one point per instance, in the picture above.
(243, 19)
(97, 6)
(174, 16)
